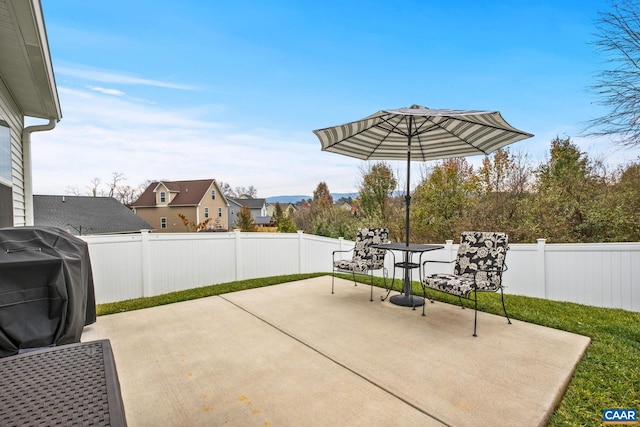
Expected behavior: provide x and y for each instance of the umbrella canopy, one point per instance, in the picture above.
(420, 134)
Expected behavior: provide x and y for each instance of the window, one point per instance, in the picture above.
(206, 212)
(213, 194)
(5, 152)
(163, 222)
(219, 212)
(163, 197)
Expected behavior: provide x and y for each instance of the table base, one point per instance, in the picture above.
(407, 301)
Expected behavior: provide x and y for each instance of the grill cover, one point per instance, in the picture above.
(46, 288)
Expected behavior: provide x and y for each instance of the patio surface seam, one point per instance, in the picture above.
(342, 365)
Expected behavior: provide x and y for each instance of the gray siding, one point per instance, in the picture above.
(11, 114)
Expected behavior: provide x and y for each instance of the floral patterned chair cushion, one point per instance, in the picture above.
(479, 263)
(365, 257)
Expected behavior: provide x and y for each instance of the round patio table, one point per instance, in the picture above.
(406, 298)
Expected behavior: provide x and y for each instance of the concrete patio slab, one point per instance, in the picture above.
(294, 354)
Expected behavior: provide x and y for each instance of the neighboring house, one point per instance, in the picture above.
(288, 209)
(197, 200)
(82, 215)
(27, 90)
(258, 208)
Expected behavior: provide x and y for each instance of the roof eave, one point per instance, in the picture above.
(39, 98)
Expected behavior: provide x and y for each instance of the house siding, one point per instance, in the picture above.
(213, 205)
(174, 224)
(10, 113)
(153, 214)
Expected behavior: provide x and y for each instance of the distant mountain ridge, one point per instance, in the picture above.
(296, 198)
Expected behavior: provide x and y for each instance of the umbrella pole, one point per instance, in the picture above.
(407, 299)
(407, 197)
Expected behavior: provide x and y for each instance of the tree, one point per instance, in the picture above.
(245, 219)
(377, 187)
(277, 213)
(505, 182)
(322, 198)
(226, 189)
(72, 190)
(442, 201)
(618, 38)
(238, 192)
(248, 192)
(93, 187)
(626, 218)
(320, 216)
(283, 221)
(116, 177)
(570, 201)
(286, 225)
(303, 218)
(191, 225)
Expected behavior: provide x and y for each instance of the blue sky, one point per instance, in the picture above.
(232, 90)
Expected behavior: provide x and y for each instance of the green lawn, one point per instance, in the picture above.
(608, 376)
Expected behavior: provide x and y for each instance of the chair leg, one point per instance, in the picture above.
(503, 307)
(353, 274)
(461, 305)
(333, 277)
(390, 287)
(475, 319)
(371, 297)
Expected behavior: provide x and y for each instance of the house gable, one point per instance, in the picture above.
(162, 203)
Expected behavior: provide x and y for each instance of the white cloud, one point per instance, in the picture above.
(108, 76)
(102, 134)
(106, 91)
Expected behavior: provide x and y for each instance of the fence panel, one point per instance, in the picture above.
(116, 263)
(133, 266)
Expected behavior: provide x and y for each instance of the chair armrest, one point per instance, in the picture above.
(333, 254)
(425, 262)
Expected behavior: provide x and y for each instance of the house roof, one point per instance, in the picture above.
(25, 64)
(86, 215)
(188, 193)
(250, 203)
(262, 220)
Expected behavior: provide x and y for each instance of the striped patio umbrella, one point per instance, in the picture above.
(420, 134)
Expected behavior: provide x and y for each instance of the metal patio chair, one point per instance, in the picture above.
(365, 259)
(479, 265)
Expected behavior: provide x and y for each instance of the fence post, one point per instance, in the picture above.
(238, 252)
(300, 249)
(448, 247)
(541, 273)
(145, 254)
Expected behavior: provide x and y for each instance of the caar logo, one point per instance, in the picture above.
(619, 416)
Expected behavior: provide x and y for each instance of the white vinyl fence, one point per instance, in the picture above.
(148, 264)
